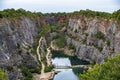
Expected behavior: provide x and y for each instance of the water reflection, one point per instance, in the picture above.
(60, 59)
(65, 74)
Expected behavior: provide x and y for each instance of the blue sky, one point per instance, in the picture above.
(61, 5)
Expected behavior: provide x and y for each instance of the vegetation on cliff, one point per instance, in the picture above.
(27, 73)
(3, 75)
(44, 30)
(109, 70)
(10, 13)
(49, 68)
(89, 13)
(60, 41)
(116, 15)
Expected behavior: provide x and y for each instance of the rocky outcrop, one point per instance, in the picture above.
(95, 39)
(90, 39)
(17, 38)
(43, 47)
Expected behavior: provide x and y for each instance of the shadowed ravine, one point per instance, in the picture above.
(28, 39)
(48, 75)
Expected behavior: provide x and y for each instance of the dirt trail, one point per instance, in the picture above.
(43, 75)
(39, 56)
(48, 57)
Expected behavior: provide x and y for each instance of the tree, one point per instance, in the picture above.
(109, 70)
(1, 16)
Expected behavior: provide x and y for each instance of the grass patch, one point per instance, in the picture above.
(49, 68)
(3, 75)
(60, 41)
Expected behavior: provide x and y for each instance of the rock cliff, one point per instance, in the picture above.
(93, 39)
(17, 39)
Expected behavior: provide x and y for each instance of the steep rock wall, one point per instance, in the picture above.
(17, 38)
(95, 39)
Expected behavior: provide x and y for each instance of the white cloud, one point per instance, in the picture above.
(62, 5)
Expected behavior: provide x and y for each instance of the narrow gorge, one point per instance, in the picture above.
(29, 43)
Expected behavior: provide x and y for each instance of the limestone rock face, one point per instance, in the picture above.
(95, 39)
(17, 37)
(117, 43)
(43, 48)
(85, 52)
(90, 39)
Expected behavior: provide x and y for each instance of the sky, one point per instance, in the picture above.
(46, 6)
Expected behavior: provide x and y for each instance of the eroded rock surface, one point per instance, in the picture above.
(17, 38)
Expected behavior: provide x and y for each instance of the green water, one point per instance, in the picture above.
(58, 58)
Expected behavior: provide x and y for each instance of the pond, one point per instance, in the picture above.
(59, 59)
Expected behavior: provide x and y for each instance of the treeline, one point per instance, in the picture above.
(116, 15)
(109, 70)
(11, 13)
(90, 13)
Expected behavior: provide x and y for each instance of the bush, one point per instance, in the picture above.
(100, 35)
(60, 41)
(108, 43)
(28, 75)
(49, 68)
(109, 70)
(54, 28)
(99, 48)
(35, 70)
(3, 75)
(10, 68)
(12, 13)
(71, 46)
(44, 30)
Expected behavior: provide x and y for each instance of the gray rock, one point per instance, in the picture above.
(17, 37)
(93, 49)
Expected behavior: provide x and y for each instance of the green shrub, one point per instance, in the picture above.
(60, 41)
(28, 75)
(100, 35)
(49, 68)
(99, 48)
(3, 75)
(71, 46)
(84, 41)
(54, 28)
(12, 13)
(108, 43)
(35, 70)
(44, 30)
(109, 70)
(10, 68)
